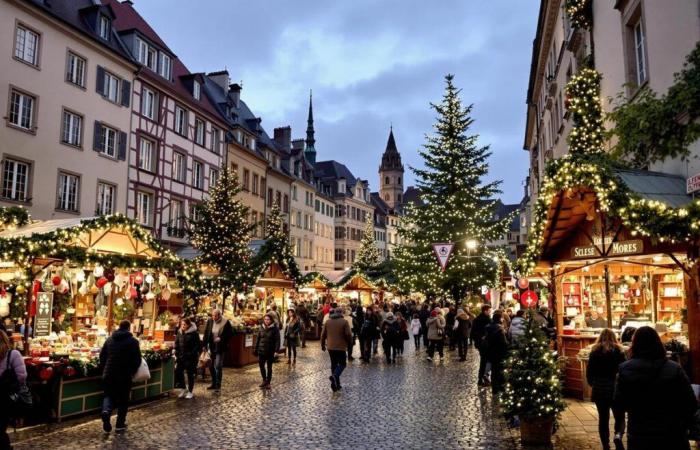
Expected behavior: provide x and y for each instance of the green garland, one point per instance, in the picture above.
(588, 134)
(13, 216)
(579, 12)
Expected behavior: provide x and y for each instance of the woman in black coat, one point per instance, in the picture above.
(606, 356)
(656, 395)
(266, 347)
(188, 346)
(496, 351)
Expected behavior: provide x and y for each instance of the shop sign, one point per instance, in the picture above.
(42, 321)
(529, 299)
(443, 252)
(621, 248)
(692, 184)
(248, 340)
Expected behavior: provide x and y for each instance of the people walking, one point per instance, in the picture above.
(303, 314)
(13, 375)
(478, 335)
(647, 385)
(517, 327)
(424, 315)
(436, 333)
(403, 333)
(292, 331)
(390, 332)
(496, 351)
(188, 346)
(461, 333)
(358, 319)
(416, 331)
(449, 327)
(368, 334)
(266, 347)
(336, 337)
(605, 358)
(120, 358)
(217, 334)
(378, 317)
(348, 318)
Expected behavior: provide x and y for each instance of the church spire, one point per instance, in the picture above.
(310, 139)
(391, 159)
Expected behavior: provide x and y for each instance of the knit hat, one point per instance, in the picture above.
(433, 313)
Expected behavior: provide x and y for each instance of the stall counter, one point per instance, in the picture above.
(575, 384)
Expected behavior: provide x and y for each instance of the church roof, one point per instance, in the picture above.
(391, 159)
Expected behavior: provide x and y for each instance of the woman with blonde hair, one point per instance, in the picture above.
(605, 358)
(13, 374)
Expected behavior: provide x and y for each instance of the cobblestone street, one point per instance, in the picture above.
(410, 405)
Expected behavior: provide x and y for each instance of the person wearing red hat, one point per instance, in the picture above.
(436, 333)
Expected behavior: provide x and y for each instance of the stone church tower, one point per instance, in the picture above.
(391, 174)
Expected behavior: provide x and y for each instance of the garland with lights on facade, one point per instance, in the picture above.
(583, 101)
(221, 230)
(368, 255)
(580, 13)
(458, 207)
(532, 386)
(13, 217)
(276, 249)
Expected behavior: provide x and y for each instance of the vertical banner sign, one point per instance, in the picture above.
(443, 252)
(42, 320)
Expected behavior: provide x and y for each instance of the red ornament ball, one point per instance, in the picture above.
(46, 373)
(138, 278)
(523, 283)
(101, 282)
(56, 280)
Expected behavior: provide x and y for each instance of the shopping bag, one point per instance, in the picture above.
(143, 374)
(204, 359)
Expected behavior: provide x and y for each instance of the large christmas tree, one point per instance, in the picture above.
(368, 256)
(221, 231)
(457, 206)
(276, 248)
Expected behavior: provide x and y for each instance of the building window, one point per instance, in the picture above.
(270, 197)
(640, 53)
(263, 186)
(104, 27)
(75, 72)
(199, 128)
(68, 192)
(177, 218)
(298, 219)
(108, 141)
(195, 214)
(111, 87)
(106, 195)
(27, 45)
(22, 110)
(198, 175)
(147, 155)
(213, 177)
(294, 193)
(15, 180)
(255, 183)
(196, 90)
(146, 55)
(246, 180)
(165, 66)
(144, 208)
(72, 129)
(180, 121)
(148, 103)
(216, 140)
(179, 167)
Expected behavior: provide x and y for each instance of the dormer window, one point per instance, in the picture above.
(165, 66)
(196, 90)
(146, 55)
(252, 143)
(103, 27)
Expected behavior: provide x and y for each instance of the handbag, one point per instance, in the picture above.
(142, 374)
(19, 395)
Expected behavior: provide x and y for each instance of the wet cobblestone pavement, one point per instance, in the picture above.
(413, 404)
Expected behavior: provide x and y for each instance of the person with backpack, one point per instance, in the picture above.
(390, 332)
(436, 333)
(13, 376)
(478, 334)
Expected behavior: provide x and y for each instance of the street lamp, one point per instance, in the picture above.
(471, 244)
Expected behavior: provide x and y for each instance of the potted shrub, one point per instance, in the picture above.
(532, 391)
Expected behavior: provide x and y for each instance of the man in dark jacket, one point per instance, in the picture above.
(120, 358)
(461, 333)
(496, 351)
(336, 337)
(478, 336)
(449, 327)
(217, 334)
(303, 314)
(423, 316)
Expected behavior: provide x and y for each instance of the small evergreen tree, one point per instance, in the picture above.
(368, 256)
(221, 231)
(533, 389)
(457, 206)
(276, 248)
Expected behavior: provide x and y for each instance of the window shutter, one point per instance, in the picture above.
(97, 137)
(121, 154)
(100, 80)
(126, 92)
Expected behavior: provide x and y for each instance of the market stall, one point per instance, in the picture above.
(313, 294)
(355, 287)
(605, 271)
(70, 282)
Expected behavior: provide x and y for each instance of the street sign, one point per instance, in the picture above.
(528, 299)
(692, 184)
(443, 252)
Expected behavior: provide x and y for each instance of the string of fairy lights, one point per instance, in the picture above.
(368, 255)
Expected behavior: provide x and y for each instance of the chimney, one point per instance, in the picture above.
(298, 144)
(283, 136)
(234, 91)
(220, 78)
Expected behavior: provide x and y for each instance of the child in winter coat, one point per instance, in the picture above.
(416, 330)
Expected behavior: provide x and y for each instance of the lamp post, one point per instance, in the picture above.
(471, 244)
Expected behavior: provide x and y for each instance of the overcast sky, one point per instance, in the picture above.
(370, 63)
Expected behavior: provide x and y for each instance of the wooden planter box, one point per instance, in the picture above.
(240, 350)
(85, 394)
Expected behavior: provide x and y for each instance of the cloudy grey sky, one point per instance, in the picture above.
(370, 63)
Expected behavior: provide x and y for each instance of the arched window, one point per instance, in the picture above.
(387, 197)
(386, 180)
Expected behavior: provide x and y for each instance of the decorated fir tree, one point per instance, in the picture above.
(532, 390)
(457, 206)
(583, 100)
(221, 231)
(368, 256)
(276, 248)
